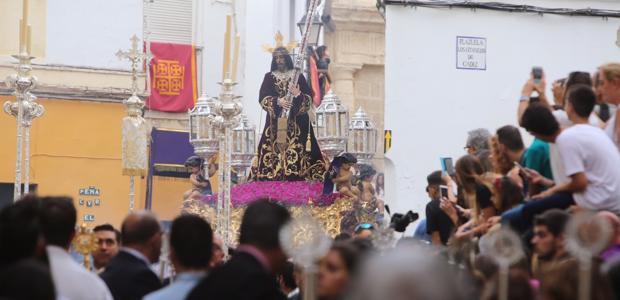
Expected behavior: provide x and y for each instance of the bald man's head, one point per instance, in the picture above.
(139, 227)
(141, 231)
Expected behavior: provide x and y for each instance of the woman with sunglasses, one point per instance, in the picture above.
(363, 230)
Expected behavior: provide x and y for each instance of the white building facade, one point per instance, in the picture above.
(451, 69)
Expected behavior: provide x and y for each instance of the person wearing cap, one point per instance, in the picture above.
(438, 224)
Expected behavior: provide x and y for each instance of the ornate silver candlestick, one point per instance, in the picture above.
(134, 130)
(24, 109)
(587, 235)
(504, 245)
(305, 241)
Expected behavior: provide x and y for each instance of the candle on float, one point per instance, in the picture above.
(21, 35)
(25, 11)
(23, 28)
(29, 40)
(226, 62)
(235, 58)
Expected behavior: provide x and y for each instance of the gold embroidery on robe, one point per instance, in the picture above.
(294, 162)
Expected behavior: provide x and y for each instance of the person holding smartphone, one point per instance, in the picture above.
(477, 194)
(591, 161)
(439, 225)
(512, 151)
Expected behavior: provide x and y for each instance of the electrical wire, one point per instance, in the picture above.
(515, 8)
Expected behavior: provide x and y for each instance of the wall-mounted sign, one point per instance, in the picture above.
(89, 203)
(471, 53)
(87, 199)
(90, 191)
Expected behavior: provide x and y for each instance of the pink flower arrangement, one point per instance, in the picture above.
(288, 193)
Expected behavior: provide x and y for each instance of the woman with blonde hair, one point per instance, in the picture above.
(501, 163)
(609, 89)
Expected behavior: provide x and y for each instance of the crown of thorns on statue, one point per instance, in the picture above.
(280, 44)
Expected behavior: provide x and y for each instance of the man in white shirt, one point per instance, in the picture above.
(558, 110)
(590, 159)
(71, 280)
(609, 89)
(574, 78)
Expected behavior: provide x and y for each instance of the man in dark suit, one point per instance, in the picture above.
(250, 273)
(128, 275)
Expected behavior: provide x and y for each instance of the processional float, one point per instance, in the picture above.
(218, 127)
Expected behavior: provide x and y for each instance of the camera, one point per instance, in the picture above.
(399, 222)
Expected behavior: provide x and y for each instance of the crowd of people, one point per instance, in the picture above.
(571, 167)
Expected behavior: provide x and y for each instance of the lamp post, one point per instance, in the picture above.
(315, 28)
(244, 146)
(134, 129)
(24, 109)
(362, 137)
(332, 120)
(313, 34)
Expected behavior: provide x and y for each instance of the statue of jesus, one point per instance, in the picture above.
(297, 157)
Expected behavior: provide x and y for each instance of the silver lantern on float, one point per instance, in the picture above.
(243, 146)
(362, 137)
(203, 128)
(332, 119)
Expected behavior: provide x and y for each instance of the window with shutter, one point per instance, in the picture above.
(170, 21)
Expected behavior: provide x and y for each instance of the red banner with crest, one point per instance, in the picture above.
(173, 77)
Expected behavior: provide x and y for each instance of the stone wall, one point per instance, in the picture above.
(357, 49)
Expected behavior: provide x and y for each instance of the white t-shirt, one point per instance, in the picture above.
(71, 280)
(584, 148)
(557, 166)
(562, 117)
(610, 130)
